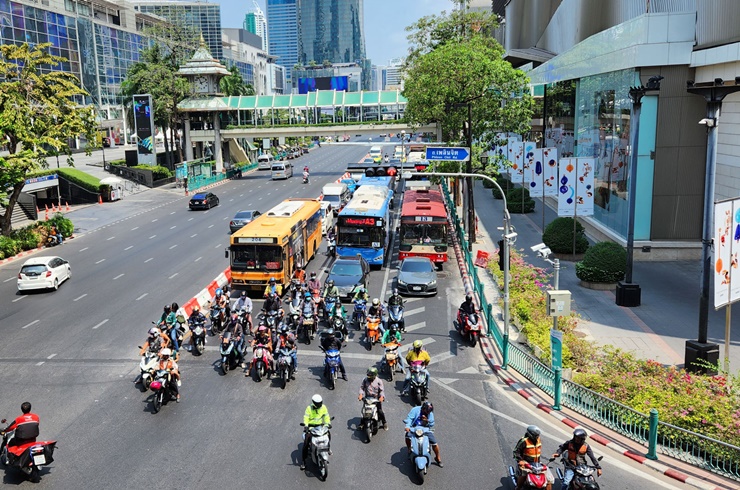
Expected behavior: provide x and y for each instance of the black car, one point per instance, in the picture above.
(203, 200)
(349, 273)
(242, 218)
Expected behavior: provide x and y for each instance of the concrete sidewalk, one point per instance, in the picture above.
(657, 329)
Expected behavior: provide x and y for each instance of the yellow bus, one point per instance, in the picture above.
(275, 243)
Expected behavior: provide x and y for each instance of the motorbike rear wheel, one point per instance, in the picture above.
(225, 366)
(368, 430)
(35, 476)
(332, 379)
(199, 346)
(420, 474)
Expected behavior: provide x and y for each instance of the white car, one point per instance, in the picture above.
(43, 273)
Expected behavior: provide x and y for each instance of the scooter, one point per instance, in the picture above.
(329, 303)
(373, 331)
(229, 353)
(320, 447)
(469, 326)
(294, 312)
(420, 454)
(331, 366)
(417, 384)
(198, 333)
(391, 358)
(359, 314)
(395, 317)
(331, 247)
(247, 325)
(217, 319)
(583, 479)
(161, 388)
(285, 366)
(305, 177)
(26, 457)
(370, 421)
(260, 362)
(536, 475)
(147, 365)
(308, 322)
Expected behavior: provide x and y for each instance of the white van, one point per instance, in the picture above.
(327, 217)
(376, 153)
(282, 170)
(336, 194)
(264, 162)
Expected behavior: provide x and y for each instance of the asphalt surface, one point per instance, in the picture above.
(73, 354)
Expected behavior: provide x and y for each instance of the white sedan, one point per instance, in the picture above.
(43, 273)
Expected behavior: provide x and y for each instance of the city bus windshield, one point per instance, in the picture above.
(423, 233)
(353, 236)
(256, 258)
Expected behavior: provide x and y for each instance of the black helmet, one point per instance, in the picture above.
(330, 332)
(330, 283)
(284, 329)
(427, 408)
(580, 435)
(468, 297)
(533, 432)
(313, 274)
(167, 308)
(243, 294)
(395, 291)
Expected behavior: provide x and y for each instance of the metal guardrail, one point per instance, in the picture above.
(696, 449)
(198, 181)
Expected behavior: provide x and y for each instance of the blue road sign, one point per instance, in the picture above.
(452, 154)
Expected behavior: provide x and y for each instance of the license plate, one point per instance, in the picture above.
(416, 288)
(39, 460)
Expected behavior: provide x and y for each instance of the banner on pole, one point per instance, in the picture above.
(515, 150)
(726, 252)
(576, 190)
(544, 173)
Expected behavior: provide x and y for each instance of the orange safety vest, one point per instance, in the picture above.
(573, 454)
(533, 451)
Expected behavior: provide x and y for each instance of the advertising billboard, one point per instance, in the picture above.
(144, 121)
(306, 85)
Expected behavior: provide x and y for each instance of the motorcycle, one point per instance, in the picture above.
(147, 366)
(373, 331)
(285, 366)
(331, 366)
(308, 322)
(198, 333)
(295, 288)
(370, 421)
(395, 317)
(217, 319)
(331, 247)
(417, 385)
(536, 475)
(469, 326)
(583, 479)
(260, 362)
(338, 324)
(26, 457)
(294, 314)
(359, 314)
(229, 353)
(391, 359)
(51, 242)
(161, 388)
(270, 319)
(305, 177)
(247, 325)
(318, 301)
(420, 451)
(320, 447)
(329, 303)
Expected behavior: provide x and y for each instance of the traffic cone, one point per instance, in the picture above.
(68, 208)
(100, 199)
(53, 208)
(46, 212)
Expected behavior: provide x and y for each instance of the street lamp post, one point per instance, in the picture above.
(403, 148)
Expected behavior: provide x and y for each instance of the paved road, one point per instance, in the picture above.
(72, 353)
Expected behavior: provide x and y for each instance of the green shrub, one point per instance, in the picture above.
(558, 236)
(64, 225)
(604, 262)
(518, 201)
(8, 247)
(27, 238)
(80, 178)
(505, 184)
(118, 162)
(158, 172)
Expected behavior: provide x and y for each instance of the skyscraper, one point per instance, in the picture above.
(282, 31)
(256, 23)
(331, 30)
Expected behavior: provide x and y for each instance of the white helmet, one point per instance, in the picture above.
(166, 352)
(317, 401)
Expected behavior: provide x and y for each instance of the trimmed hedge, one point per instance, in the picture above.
(118, 162)
(518, 201)
(86, 181)
(158, 172)
(558, 236)
(604, 262)
(505, 184)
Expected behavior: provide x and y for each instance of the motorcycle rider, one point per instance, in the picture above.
(372, 387)
(392, 335)
(395, 299)
(314, 285)
(155, 340)
(577, 450)
(196, 318)
(330, 290)
(286, 339)
(169, 365)
(245, 303)
(26, 427)
(376, 309)
(361, 295)
(316, 414)
(273, 287)
(467, 307)
(237, 333)
(423, 416)
(417, 353)
(171, 325)
(329, 342)
(529, 450)
(222, 300)
(56, 235)
(299, 274)
(308, 300)
(263, 337)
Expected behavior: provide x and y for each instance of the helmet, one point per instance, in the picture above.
(298, 267)
(395, 291)
(376, 301)
(317, 401)
(330, 283)
(468, 297)
(330, 332)
(219, 292)
(393, 328)
(167, 308)
(427, 408)
(580, 435)
(262, 329)
(166, 352)
(284, 329)
(153, 333)
(533, 432)
(243, 294)
(418, 344)
(196, 309)
(307, 295)
(313, 274)
(362, 289)
(372, 372)
(272, 280)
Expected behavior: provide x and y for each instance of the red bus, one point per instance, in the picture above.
(423, 223)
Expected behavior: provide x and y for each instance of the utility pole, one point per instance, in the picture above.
(470, 182)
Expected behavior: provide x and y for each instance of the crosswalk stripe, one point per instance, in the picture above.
(468, 370)
(416, 326)
(407, 313)
(442, 357)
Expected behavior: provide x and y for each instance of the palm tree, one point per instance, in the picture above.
(233, 84)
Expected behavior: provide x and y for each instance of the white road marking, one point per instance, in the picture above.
(218, 246)
(155, 219)
(108, 239)
(51, 356)
(142, 296)
(134, 228)
(194, 235)
(100, 324)
(196, 260)
(9, 279)
(350, 355)
(173, 212)
(118, 276)
(413, 312)
(19, 298)
(152, 237)
(83, 249)
(468, 370)
(173, 275)
(36, 321)
(173, 227)
(210, 226)
(79, 297)
(40, 363)
(147, 260)
(416, 326)
(99, 261)
(191, 219)
(128, 248)
(173, 246)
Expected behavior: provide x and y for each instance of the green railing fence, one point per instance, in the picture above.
(659, 437)
(199, 181)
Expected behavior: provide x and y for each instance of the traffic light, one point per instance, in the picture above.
(501, 255)
(380, 170)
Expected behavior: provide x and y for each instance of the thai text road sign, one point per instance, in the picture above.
(452, 154)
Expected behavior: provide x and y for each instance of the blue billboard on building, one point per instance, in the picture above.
(144, 120)
(306, 85)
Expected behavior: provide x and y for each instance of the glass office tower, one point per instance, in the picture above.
(282, 32)
(331, 30)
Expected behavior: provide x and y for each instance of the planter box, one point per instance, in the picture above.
(599, 286)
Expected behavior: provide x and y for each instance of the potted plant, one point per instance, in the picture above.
(602, 266)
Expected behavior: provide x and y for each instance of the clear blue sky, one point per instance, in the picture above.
(385, 21)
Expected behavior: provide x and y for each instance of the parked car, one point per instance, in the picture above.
(417, 275)
(304, 149)
(241, 218)
(297, 152)
(43, 273)
(203, 200)
(349, 273)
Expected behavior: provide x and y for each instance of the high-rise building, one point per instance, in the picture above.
(256, 23)
(282, 33)
(331, 30)
(199, 13)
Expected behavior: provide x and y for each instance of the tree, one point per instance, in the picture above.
(39, 114)
(233, 84)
